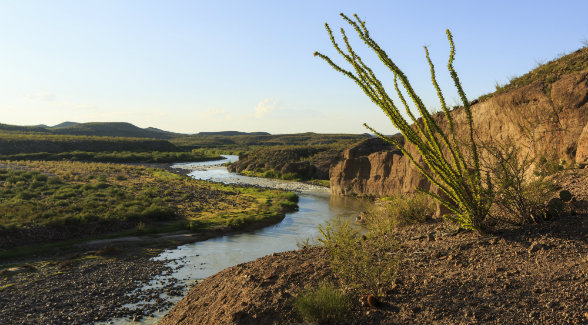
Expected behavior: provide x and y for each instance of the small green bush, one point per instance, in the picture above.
(40, 178)
(323, 304)
(392, 212)
(367, 263)
(288, 205)
(157, 212)
(520, 196)
(291, 196)
(54, 180)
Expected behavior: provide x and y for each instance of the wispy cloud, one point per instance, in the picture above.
(265, 106)
(44, 96)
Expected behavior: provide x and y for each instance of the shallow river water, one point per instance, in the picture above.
(196, 261)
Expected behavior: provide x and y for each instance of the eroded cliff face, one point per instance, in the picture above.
(546, 120)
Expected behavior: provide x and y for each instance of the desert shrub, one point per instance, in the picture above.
(158, 212)
(25, 195)
(362, 262)
(288, 205)
(324, 304)
(237, 222)
(548, 165)
(391, 212)
(40, 178)
(290, 176)
(54, 180)
(141, 227)
(521, 195)
(452, 166)
(291, 196)
(197, 225)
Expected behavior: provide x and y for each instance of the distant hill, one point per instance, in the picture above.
(232, 133)
(64, 125)
(103, 129)
(113, 129)
(242, 141)
(19, 128)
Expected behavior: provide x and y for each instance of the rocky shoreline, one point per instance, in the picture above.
(86, 288)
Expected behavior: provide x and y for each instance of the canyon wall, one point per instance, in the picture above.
(547, 120)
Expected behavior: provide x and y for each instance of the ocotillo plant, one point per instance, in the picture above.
(453, 168)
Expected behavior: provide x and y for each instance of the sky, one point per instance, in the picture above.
(192, 66)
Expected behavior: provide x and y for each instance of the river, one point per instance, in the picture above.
(196, 261)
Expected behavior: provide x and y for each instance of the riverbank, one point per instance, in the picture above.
(537, 274)
(89, 281)
(46, 202)
(86, 287)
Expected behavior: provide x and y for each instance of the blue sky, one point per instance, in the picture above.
(191, 66)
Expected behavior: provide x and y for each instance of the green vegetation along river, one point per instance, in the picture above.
(196, 261)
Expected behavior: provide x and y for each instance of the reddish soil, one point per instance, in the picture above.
(536, 274)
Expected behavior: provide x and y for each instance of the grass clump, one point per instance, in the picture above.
(403, 210)
(324, 304)
(365, 263)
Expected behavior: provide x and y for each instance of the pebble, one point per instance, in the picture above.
(535, 246)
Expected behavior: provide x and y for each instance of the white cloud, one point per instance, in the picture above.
(44, 96)
(265, 106)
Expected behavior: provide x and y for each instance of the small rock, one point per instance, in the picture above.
(551, 304)
(535, 246)
(373, 301)
(565, 195)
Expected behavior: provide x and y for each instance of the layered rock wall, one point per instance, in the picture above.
(547, 121)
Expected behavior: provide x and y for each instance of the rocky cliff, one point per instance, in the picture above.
(546, 114)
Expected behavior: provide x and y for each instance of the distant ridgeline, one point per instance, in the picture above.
(125, 142)
(240, 142)
(112, 142)
(110, 129)
(231, 133)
